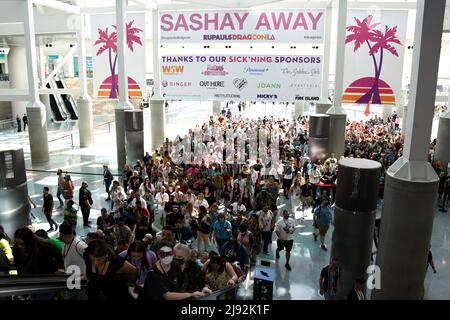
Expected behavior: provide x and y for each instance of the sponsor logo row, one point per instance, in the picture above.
(239, 83)
(212, 70)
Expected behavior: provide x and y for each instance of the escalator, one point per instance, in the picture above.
(54, 106)
(68, 101)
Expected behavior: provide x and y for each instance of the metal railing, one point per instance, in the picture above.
(72, 133)
(20, 285)
(7, 124)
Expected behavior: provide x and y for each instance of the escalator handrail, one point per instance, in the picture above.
(34, 284)
(220, 292)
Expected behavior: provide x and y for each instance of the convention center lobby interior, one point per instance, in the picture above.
(338, 105)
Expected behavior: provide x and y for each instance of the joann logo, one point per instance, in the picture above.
(240, 83)
(212, 84)
(173, 69)
(266, 96)
(215, 70)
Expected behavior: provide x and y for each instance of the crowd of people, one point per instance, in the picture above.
(214, 217)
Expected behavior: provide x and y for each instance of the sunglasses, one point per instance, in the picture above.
(163, 254)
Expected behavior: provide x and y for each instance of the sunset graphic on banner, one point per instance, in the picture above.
(378, 44)
(134, 91)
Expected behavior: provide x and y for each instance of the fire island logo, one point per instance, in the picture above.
(215, 70)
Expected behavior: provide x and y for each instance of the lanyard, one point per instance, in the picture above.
(65, 253)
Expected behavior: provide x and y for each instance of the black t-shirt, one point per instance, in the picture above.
(306, 190)
(48, 203)
(102, 224)
(111, 286)
(135, 183)
(158, 283)
(84, 195)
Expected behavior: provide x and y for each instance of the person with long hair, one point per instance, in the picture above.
(142, 259)
(203, 229)
(108, 274)
(219, 273)
(295, 193)
(126, 175)
(33, 255)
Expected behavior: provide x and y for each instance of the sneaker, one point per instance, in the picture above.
(315, 236)
(277, 254)
(288, 266)
(323, 247)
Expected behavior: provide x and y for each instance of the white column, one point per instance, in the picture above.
(340, 58)
(411, 183)
(123, 103)
(17, 63)
(156, 62)
(386, 111)
(443, 139)
(35, 110)
(338, 117)
(121, 14)
(405, 117)
(326, 55)
(84, 103)
(299, 108)
(157, 110)
(216, 106)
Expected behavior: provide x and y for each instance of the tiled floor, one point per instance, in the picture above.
(307, 258)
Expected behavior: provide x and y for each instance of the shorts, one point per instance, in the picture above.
(285, 244)
(323, 228)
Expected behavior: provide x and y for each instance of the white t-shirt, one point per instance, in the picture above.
(73, 254)
(265, 220)
(291, 174)
(285, 229)
(160, 200)
(314, 173)
(143, 203)
(237, 208)
(199, 203)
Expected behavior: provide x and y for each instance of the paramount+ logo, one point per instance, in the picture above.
(173, 69)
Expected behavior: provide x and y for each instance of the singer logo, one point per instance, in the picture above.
(173, 69)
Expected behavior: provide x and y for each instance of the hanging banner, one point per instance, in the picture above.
(292, 26)
(104, 52)
(374, 51)
(241, 77)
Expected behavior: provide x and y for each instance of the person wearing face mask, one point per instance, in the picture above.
(285, 233)
(193, 277)
(164, 281)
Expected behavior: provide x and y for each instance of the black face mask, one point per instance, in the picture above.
(178, 260)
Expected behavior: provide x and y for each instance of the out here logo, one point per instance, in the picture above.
(173, 69)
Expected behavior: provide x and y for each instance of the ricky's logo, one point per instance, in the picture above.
(173, 69)
(266, 96)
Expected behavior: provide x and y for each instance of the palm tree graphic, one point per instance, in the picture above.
(377, 42)
(108, 42)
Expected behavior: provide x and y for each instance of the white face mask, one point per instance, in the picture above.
(167, 260)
